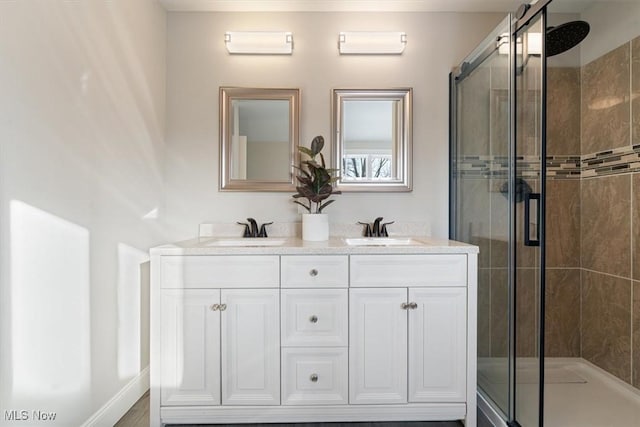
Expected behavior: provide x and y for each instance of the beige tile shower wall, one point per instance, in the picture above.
(610, 221)
(562, 314)
(563, 223)
(635, 138)
(606, 327)
(606, 225)
(635, 305)
(635, 224)
(484, 312)
(605, 101)
(563, 111)
(635, 338)
(527, 309)
(499, 321)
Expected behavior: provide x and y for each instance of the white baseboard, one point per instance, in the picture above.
(119, 404)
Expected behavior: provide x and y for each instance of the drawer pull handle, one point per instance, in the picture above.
(313, 272)
(313, 319)
(223, 307)
(314, 378)
(215, 307)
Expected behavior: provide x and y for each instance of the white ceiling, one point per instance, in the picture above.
(342, 5)
(556, 6)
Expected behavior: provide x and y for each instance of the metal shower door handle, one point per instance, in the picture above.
(528, 221)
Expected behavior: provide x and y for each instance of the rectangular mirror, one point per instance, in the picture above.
(372, 131)
(258, 138)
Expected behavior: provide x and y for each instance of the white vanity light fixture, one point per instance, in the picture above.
(372, 42)
(259, 42)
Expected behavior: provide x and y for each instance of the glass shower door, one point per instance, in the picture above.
(528, 252)
(480, 197)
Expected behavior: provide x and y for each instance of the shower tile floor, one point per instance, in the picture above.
(577, 393)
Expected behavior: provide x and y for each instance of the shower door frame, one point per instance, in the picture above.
(533, 16)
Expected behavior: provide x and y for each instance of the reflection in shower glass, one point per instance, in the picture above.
(481, 169)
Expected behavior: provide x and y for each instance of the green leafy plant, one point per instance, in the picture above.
(315, 179)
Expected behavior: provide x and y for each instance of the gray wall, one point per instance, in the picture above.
(198, 64)
(81, 152)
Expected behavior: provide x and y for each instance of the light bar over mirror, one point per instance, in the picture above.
(372, 42)
(259, 42)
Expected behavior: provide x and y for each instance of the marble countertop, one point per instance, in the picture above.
(294, 245)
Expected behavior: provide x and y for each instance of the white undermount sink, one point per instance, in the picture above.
(247, 242)
(382, 241)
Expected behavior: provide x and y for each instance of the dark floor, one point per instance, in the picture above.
(138, 416)
(389, 424)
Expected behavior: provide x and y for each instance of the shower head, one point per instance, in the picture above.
(565, 36)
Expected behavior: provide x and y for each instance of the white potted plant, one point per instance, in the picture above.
(315, 183)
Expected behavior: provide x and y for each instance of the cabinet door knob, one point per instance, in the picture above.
(413, 305)
(223, 307)
(215, 307)
(314, 378)
(404, 306)
(313, 319)
(313, 272)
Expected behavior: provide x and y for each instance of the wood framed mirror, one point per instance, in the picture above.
(258, 138)
(372, 139)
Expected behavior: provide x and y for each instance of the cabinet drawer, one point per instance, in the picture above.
(408, 270)
(243, 271)
(313, 317)
(305, 271)
(314, 376)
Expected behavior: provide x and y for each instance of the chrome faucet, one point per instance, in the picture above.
(377, 229)
(251, 228)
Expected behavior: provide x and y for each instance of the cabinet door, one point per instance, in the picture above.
(250, 347)
(378, 346)
(190, 343)
(437, 345)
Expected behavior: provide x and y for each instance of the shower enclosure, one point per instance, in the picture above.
(545, 179)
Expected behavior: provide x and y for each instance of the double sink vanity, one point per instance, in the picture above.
(280, 330)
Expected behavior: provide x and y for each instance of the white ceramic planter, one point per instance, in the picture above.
(315, 227)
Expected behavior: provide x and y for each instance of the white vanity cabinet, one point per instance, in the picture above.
(190, 347)
(378, 346)
(437, 344)
(315, 329)
(219, 337)
(250, 345)
(408, 340)
(220, 347)
(290, 335)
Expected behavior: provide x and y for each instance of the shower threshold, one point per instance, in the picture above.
(577, 393)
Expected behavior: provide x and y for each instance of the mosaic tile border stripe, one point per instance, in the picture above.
(564, 167)
(611, 162)
(482, 167)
